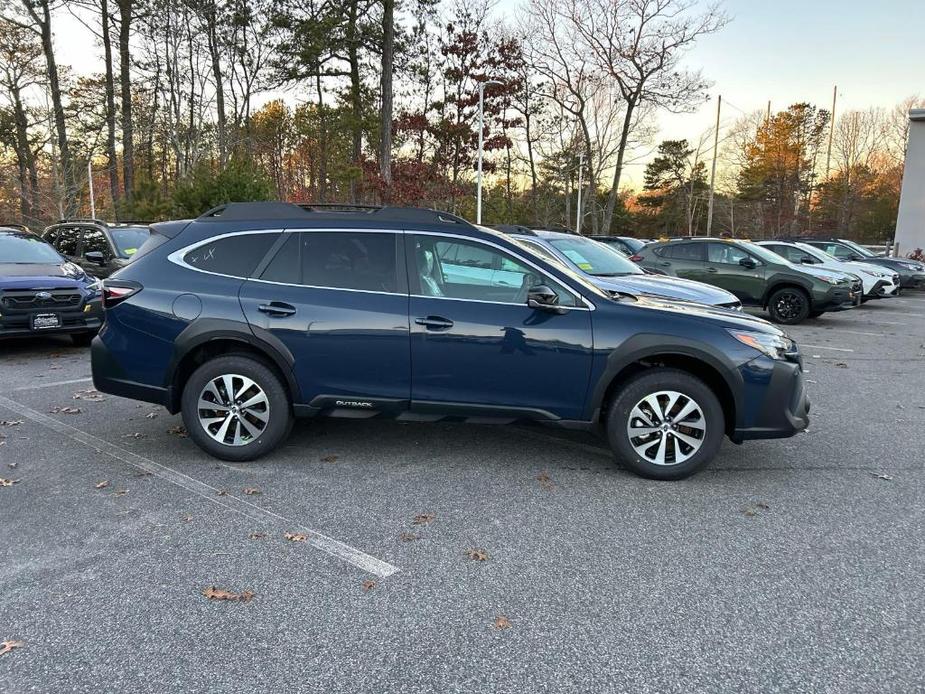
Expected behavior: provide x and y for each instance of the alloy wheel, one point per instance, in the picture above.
(666, 427)
(789, 305)
(233, 409)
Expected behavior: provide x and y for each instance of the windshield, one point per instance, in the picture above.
(596, 259)
(22, 249)
(817, 253)
(763, 253)
(129, 239)
(860, 249)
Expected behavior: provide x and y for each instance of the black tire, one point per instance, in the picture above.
(279, 409)
(652, 382)
(82, 339)
(789, 306)
(815, 314)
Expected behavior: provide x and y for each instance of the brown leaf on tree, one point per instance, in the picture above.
(178, 431)
(368, 585)
(102, 485)
(64, 410)
(296, 537)
(256, 536)
(9, 645)
(477, 554)
(409, 537)
(252, 491)
(329, 459)
(423, 519)
(214, 593)
(502, 622)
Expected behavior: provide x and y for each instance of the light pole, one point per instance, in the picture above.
(478, 185)
(581, 166)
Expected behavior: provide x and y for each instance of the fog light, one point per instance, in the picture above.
(88, 308)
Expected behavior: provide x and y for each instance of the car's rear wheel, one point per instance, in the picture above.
(789, 305)
(665, 424)
(236, 408)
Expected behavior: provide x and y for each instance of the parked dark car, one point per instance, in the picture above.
(611, 271)
(98, 247)
(758, 277)
(41, 292)
(911, 272)
(625, 244)
(256, 312)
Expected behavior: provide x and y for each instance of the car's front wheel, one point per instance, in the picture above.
(665, 424)
(236, 408)
(789, 306)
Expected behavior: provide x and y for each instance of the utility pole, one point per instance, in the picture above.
(90, 181)
(581, 165)
(719, 105)
(478, 185)
(828, 156)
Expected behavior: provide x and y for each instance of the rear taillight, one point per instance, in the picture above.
(636, 258)
(117, 291)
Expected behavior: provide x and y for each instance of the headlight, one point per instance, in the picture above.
(95, 284)
(831, 279)
(774, 346)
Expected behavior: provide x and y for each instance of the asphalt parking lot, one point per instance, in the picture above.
(793, 565)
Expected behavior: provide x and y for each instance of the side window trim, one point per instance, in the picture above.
(583, 303)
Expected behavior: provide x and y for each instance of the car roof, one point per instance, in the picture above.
(12, 231)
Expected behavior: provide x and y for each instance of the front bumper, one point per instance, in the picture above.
(838, 298)
(85, 318)
(911, 280)
(779, 406)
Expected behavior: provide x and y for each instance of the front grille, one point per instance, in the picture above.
(14, 300)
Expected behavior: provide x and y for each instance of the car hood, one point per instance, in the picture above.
(895, 264)
(728, 317)
(666, 287)
(38, 276)
(869, 267)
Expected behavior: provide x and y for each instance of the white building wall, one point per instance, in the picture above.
(910, 225)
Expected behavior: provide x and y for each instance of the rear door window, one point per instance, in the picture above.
(366, 261)
(684, 251)
(235, 256)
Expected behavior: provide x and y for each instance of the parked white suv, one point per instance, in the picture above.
(879, 282)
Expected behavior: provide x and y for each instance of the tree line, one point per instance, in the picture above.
(196, 102)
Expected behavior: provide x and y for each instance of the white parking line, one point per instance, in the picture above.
(834, 349)
(859, 332)
(326, 544)
(55, 383)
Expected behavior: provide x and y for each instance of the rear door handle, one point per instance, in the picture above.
(277, 308)
(434, 322)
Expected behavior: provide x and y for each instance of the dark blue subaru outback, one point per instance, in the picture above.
(258, 312)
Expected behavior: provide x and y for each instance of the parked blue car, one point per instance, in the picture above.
(41, 292)
(257, 312)
(609, 270)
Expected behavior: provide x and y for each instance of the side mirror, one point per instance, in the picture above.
(543, 298)
(855, 256)
(748, 262)
(95, 257)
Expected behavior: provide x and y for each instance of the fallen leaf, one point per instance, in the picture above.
(179, 431)
(329, 459)
(186, 519)
(10, 422)
(502, 622)
(102, 485)
(120, 492)
(841, 365)
(151, 415)
(409, 537)
(423, 519)
(544, 480)
(296, 537)
(214, 593)
(368, 585)
(477, 554)
(12, 466)
(753, 509)
(143, 473)
(881, 476)
(64, 410)
(221, 492)
(136, 435)
(7, 483)
(256, 536)
(91, 394)
(252, 491)
(7, 646)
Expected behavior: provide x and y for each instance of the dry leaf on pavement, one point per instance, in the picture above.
(120, 492)
(64, 410)
(409, 537)
(179, 431)
(502, 622)
(423, 519)
(7, 646)
(7, 483)
(222, 492)
(252, 491)
(102, 485)
(329, 459)
(368, 585)
(881, 476)
(256, 536)
(10, 422)
(214, 593)
(295, 537)
(477, 554)
(544, 480)
(151, 415)
(92, 395)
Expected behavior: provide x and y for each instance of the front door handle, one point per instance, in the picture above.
(277, 308)
(434, 322)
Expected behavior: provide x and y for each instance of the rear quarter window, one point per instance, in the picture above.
(236, 256)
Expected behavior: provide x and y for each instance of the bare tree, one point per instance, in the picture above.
(385, 117)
